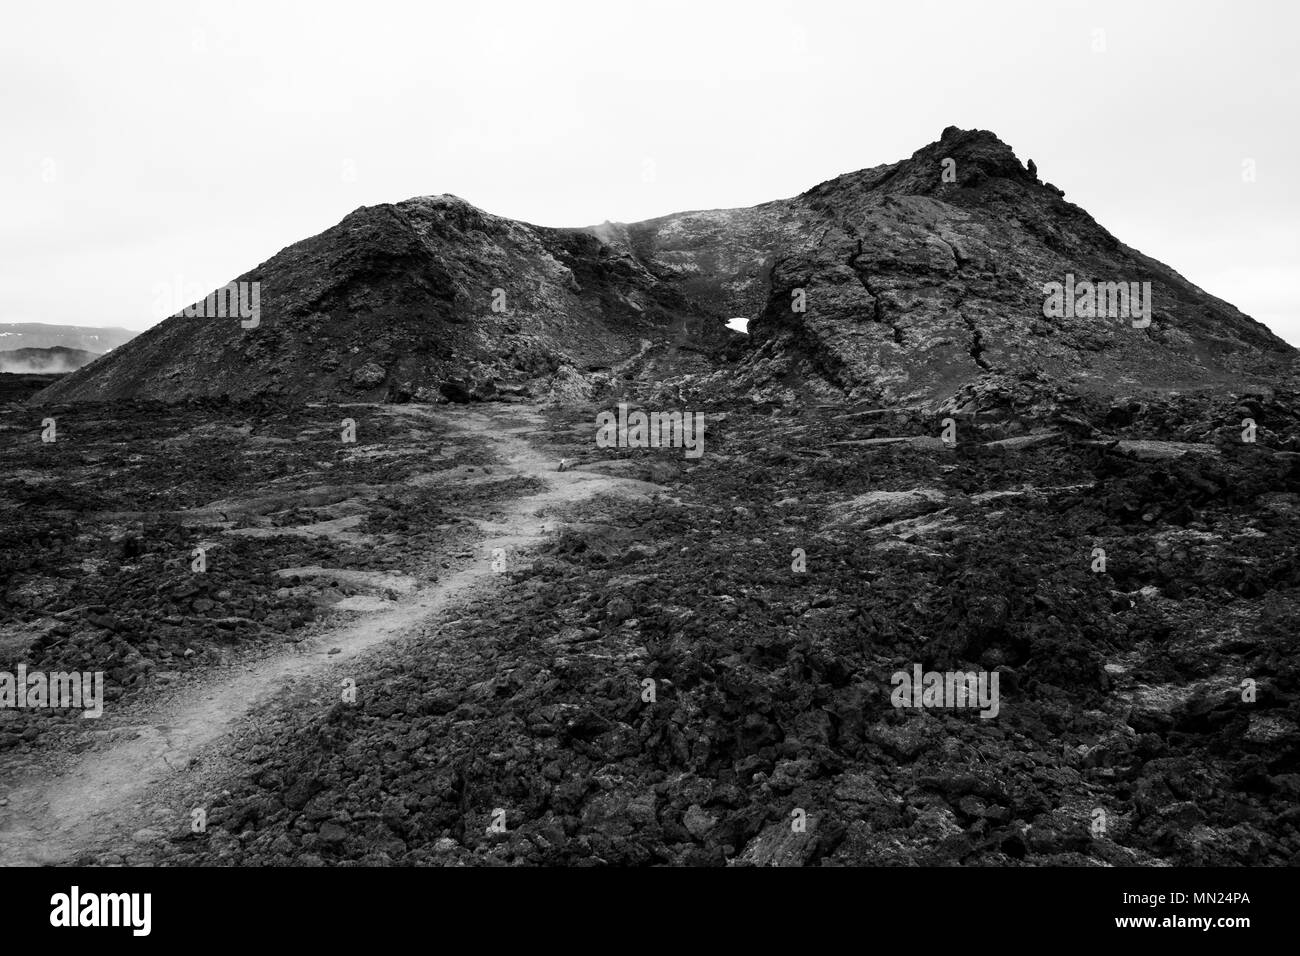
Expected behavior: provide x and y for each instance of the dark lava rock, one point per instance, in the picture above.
(909, 287)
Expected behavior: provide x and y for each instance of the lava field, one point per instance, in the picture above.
(673, 665)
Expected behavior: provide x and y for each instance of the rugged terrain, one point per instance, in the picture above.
(473, 636)
(20, 386)
(912, 286)
(523, 690)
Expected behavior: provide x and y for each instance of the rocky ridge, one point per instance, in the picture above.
(901, 283)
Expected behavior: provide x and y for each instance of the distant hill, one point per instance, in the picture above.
(38, 335)
(44, 361)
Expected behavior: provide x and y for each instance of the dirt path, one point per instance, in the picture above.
(96, 802)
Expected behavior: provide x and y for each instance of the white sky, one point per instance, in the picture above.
(145, 144)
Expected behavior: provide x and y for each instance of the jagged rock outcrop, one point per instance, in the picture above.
(907, 282)
(915, 287)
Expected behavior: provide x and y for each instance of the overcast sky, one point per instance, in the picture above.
(146, 144)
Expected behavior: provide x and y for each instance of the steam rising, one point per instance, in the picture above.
(51, 361)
